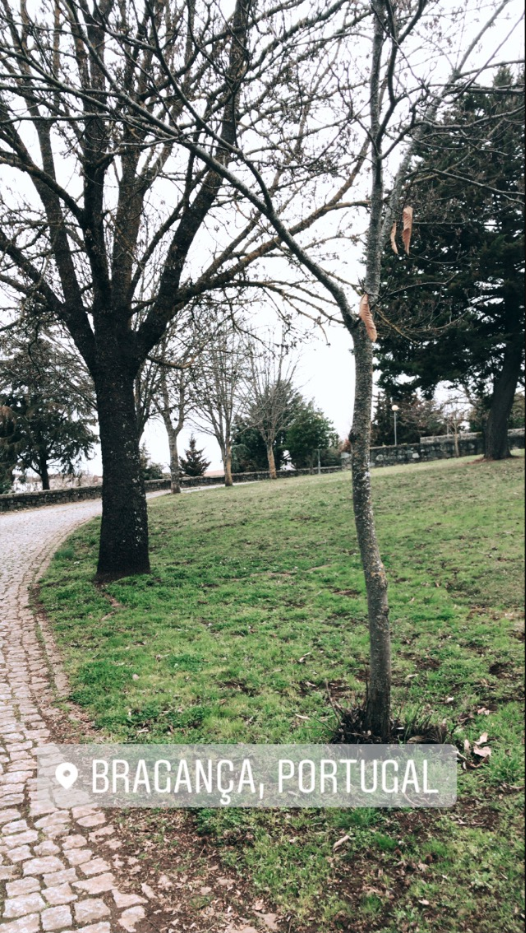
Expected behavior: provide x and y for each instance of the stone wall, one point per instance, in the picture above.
(34, 500)
(429, 448)
(438, 448)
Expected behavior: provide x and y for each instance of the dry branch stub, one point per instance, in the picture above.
(407, 217)
(393, 239)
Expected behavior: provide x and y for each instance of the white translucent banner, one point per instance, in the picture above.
(248, 775)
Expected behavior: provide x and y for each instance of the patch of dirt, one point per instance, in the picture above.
(193, 888)
(239, 686)
(498, 668)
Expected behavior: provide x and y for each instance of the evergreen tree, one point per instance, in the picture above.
(46, 406)
(7, 453)
(416, 418)
(193, 464)
(309, 433)
(249, 451)
(149, 470)
(454, 307)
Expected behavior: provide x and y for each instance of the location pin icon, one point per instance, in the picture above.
(66, 775)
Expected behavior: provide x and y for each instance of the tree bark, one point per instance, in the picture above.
(496, 441)
(175, 477)
(124, 530)
(228, 466)
(378, 700)
(44, 473)
(271, 462)
(378, 704)
(175, 483)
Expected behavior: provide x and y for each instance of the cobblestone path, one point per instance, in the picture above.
(55, 864)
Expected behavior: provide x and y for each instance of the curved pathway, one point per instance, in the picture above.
(55, 864)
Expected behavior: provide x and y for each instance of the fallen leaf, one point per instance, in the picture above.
(482, 752)
(270, 921)
(467, 746)
(423, 902)
(483, 711)
(341, 842)
(483, 739)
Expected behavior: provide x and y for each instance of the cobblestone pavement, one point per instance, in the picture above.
(55, 864)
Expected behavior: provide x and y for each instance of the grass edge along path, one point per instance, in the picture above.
(255, 611)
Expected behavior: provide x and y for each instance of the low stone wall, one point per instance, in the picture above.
(437, 448)
(35, 500)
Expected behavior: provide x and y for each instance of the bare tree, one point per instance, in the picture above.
(92, 196)
(174, 398)
(219, 373)
(269, 395)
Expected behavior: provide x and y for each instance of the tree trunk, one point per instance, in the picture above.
(496, 442)
(378, 707)
(378, 702)
(175, 477)
(175, 485)
(228, 465)
(271, 462)
(124, 531)
(44, 473)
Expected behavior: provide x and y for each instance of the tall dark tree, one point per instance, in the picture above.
(249, 450)
(92, 200)
(7, 452)
(455, 305)
(46, 400)
(310, 434)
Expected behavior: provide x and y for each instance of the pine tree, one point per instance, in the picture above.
(454, 307)
(193, 464)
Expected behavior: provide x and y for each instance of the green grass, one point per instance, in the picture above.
(255, 609)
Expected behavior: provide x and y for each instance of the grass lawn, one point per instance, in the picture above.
(255, 611)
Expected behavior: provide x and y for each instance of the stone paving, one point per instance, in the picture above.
(55, 864)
